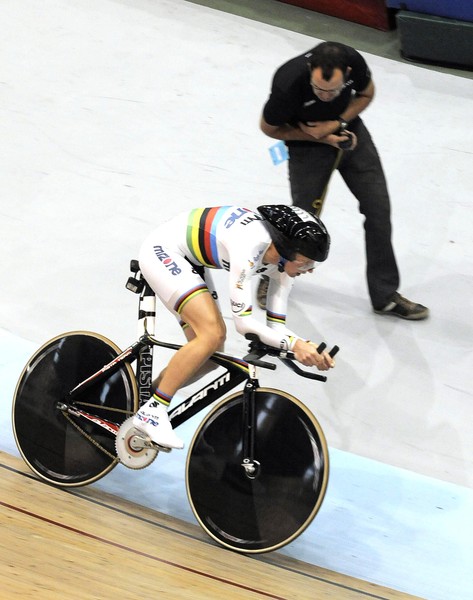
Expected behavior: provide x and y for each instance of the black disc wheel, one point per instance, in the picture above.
(61, 448)
(265, 509)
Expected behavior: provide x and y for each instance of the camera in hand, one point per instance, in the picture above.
(348, 142)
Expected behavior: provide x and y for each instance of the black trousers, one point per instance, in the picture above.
(309, 170)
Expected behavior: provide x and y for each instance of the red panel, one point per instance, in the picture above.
(372, 13)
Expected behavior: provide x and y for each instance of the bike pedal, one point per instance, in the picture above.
(158, 447)
(142, 441)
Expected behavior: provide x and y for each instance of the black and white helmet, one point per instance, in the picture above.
(295, 231)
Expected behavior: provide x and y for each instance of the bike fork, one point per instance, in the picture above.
(250, 465)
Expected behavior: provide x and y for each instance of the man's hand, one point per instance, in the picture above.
(320, 129)
(332, 138)
(348, 142)
(306, 353)
(340, 141)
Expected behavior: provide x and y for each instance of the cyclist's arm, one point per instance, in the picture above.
(241, 300)
(280, 286)
(277, 336)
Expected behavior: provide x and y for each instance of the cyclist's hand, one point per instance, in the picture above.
(306, 353)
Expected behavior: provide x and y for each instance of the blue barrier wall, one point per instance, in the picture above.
(452, 9)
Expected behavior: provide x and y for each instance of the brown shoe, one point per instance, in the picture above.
(262, 291)
(404, 309)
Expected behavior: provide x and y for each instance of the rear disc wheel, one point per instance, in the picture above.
(62, 448)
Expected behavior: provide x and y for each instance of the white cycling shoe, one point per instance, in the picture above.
(152, 419)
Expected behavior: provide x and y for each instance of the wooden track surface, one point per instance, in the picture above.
(85, 544)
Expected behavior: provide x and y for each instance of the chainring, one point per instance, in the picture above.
(134, 449)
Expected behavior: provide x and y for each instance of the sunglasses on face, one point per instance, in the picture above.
(318, 90)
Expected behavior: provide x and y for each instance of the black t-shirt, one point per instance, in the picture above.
(292, 99)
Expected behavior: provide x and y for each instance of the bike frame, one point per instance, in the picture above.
(236, 372)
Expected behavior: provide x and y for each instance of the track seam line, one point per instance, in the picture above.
(178, 532)
(139, 552)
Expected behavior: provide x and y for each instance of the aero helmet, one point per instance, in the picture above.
(295, 231)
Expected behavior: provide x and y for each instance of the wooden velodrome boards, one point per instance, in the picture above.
(84, 544)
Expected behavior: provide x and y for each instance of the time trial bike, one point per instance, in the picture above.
(257, 467)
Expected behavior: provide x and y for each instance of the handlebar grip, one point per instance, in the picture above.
(334, 351)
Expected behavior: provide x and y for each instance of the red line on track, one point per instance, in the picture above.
(139, 552)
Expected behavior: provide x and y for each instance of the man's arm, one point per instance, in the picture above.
(303, 133)
(358, 103)
(321, 131)
(284, 132)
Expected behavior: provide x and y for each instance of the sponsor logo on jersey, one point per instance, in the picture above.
(258, 256)
(166, 260)
(234, 217)
(237, 306)
(240, 280)
(238, 214)
(251, 218)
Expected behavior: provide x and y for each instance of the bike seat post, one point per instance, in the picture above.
(147, 310)
(146, 326)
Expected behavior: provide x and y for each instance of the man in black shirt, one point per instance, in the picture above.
(314, 106)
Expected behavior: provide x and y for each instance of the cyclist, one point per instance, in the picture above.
(281, 241)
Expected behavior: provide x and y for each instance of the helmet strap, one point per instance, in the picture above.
(281, 263)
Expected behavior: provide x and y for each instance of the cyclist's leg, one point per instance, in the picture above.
(208, 331)
(206, 334)
(208, 366)
(182, 290)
